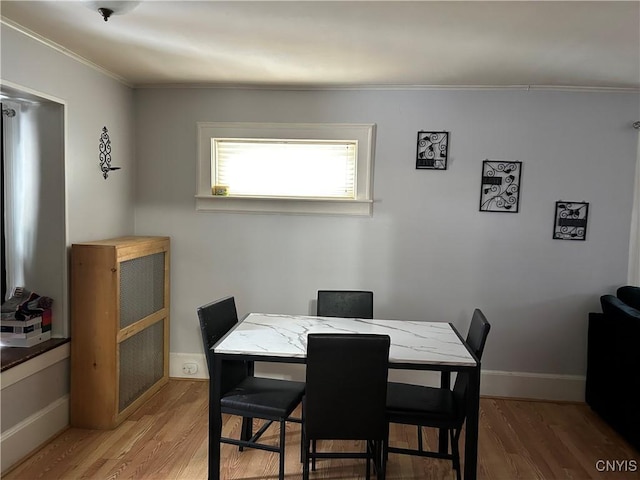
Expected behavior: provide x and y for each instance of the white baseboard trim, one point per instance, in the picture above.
(494, 383)
(538, 386)
(25, 437)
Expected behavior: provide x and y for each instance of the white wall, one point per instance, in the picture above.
(95, 208)
(35, 404)
(427, 252)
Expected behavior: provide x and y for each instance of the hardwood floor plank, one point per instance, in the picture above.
(166, 439)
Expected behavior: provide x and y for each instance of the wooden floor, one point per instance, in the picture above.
(167, 439)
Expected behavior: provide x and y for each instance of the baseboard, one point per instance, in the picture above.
(539, 386)
(494, 383)
(34, 431)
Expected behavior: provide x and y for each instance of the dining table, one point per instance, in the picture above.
(415, 345)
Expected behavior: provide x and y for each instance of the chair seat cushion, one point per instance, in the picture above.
(420, 405)
(263, 397)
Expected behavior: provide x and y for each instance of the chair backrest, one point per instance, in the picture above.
(476, 340)
(346, 386)
(216, 319)
(345, 303)
(477, 334)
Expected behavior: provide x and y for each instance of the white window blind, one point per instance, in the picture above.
(292, 168)
(286, 168)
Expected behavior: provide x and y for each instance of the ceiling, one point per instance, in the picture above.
(334, 43)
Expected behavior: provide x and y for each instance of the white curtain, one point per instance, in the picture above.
(21, 192)
(634, 243)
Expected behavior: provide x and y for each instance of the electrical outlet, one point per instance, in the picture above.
(189, 368)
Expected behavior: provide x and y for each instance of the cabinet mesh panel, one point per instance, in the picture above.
(141, 288)
(141, 363)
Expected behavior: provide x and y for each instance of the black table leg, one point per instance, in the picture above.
(443, 433)
(247, 423)
(471, 427)
(215, 420)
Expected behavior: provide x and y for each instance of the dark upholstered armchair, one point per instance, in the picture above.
(613, 362)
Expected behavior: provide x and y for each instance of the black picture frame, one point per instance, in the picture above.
(570, 220)
(500, 186)
(432, 150)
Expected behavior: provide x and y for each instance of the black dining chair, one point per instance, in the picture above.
(345, 397)
(440, 408)
(345, 303)
(242, 394)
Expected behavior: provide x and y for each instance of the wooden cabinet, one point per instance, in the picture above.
(119, 327)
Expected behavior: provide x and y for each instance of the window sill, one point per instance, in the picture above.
(14, 356)
(300, 206)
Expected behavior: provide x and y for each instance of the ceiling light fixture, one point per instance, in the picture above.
(105, 12)
(107, 8)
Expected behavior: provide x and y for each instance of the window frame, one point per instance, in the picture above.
(361, 205)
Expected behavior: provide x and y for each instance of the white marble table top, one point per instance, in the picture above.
(412, 342)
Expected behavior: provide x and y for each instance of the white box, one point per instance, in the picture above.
(24, 339)
(18, 326)
(21, 323)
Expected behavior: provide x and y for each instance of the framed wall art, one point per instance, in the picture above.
(500, 189)
(571, 220)
(433, 150)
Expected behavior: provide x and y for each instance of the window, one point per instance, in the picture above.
(290, 168)
(286, 168)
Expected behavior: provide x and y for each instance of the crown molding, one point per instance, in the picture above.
(59, 48)
(311, 87)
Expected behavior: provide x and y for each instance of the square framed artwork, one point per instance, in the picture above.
(500, 189)
(570, 221)
(433, 150)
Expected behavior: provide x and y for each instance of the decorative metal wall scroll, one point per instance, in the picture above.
(500, 190)
(105, 153)
(433, 150)
(571, 220)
